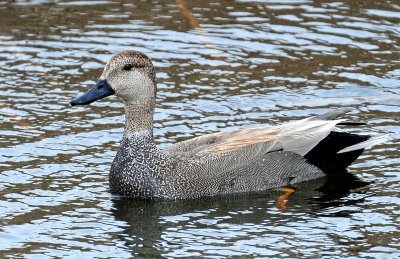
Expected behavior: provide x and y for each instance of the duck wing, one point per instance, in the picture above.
(228, 150)
(266, 157)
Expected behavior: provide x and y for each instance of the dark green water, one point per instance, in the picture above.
(221, 65)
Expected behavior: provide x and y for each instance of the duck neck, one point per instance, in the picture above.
(139, 118)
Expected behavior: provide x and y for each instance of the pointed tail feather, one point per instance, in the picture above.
(373, 140)
(339, 150)
(325, 157)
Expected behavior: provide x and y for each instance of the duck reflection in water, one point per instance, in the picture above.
(148, 221)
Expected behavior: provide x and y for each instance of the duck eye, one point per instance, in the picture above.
(128, 67)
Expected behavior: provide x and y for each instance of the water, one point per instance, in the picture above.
(220, 66)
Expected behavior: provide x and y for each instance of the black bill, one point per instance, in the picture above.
(100, 90)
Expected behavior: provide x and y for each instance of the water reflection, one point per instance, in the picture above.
(153, 227)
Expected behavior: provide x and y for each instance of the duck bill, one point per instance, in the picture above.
(100, 90)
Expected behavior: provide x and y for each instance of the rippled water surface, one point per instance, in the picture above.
(221, 65)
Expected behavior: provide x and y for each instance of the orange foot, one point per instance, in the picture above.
(282, 200)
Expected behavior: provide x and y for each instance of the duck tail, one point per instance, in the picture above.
(339, 149)
(371, 141)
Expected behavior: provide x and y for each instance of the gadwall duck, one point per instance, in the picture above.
(236, 161)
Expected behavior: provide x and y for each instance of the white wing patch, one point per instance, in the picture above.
(302, 136)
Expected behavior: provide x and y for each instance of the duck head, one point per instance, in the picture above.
(129, 74)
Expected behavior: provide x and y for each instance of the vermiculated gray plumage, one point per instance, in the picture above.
(243, 160)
